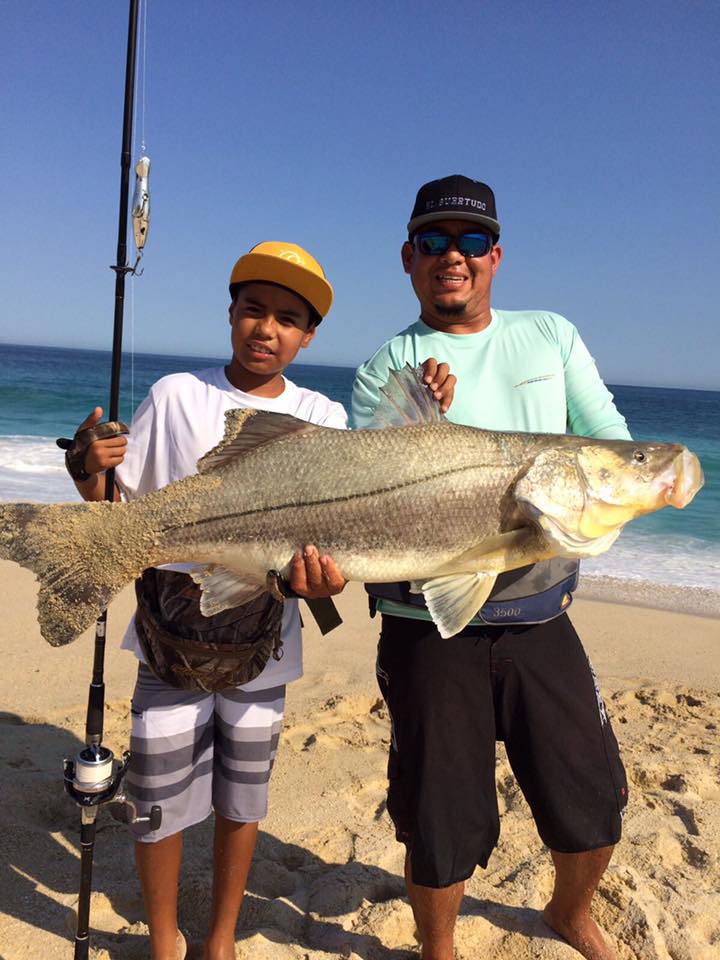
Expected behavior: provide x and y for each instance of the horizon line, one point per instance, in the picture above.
(341, 366)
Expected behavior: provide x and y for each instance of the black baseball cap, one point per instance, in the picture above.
(458, 198)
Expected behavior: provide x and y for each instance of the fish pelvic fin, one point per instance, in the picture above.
(454, 600)
(406, 401)
(75, 551)
(247, 429)
(223, 589)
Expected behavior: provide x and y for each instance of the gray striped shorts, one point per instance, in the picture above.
(191, 752)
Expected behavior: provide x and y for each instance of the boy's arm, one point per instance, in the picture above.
(100, 456)
(135, 462)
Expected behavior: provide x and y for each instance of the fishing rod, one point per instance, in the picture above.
(93, 777)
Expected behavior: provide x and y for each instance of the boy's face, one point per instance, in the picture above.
(269, 325)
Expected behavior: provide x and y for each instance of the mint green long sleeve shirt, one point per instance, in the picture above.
(527, 371)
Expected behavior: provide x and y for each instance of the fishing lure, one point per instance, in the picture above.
(141, 203)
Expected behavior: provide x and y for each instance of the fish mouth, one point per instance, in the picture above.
(682, 480)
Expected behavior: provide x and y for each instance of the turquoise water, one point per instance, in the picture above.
(46, 392)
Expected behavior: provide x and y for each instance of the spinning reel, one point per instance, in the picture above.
(94, 778)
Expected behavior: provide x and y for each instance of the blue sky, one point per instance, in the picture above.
(596, 123)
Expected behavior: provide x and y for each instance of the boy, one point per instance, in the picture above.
(192, 751)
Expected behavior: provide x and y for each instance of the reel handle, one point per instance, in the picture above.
(125, 811)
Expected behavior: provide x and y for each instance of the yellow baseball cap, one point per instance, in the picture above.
(291, 267)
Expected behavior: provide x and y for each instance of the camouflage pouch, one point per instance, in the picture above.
(188, 650)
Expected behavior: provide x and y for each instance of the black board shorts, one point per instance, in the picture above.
(532, 687)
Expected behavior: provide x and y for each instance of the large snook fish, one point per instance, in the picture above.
(447, 507)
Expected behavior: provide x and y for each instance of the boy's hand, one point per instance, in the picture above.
(102, 454)
(313, 576)
(442, 383)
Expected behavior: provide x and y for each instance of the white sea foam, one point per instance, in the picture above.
(33, 468)
(659, 559)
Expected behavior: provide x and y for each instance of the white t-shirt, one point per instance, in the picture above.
(182, 418)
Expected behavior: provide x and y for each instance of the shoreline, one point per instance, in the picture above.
(693, 600)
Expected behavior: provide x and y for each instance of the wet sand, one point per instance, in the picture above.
(327, 878)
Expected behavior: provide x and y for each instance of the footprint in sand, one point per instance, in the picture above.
(660, 894)
(358, 722)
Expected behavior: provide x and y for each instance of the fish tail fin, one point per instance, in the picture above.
(64, 544)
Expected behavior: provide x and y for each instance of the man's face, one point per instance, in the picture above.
(269, 325)
(453, 290)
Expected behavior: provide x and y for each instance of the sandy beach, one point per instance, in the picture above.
(327, 881)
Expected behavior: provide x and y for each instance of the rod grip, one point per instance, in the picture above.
(95, 713)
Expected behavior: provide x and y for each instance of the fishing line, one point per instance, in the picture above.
(143, 16)
(132, 347)
(140, 75)
(141, 82)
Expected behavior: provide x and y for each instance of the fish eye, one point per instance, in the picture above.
(639, 456)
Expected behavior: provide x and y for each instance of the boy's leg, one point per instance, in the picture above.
(158, 867)
(233, 851)
(247, 729)
(171, 756)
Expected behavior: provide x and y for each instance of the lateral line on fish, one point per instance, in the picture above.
(323, 503)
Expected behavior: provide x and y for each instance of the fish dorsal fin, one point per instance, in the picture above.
(223, 589)
(454, 600)
(246, 429)
(406, 401)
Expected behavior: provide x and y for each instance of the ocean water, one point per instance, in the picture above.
(46, 392)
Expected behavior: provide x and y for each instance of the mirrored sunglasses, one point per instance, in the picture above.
(432, 243)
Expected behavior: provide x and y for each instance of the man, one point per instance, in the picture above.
(529, 685)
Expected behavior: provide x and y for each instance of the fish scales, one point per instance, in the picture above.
(331, 464)
(334, 484)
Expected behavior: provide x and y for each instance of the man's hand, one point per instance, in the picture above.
(313, 576)
(442, 383)
(102, 454)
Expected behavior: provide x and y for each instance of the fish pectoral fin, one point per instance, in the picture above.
(247, 429)
(498, 553)
(406, 400)
(454, 600)
(223, 589)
